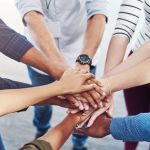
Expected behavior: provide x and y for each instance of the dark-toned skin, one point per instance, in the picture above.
(99, 129)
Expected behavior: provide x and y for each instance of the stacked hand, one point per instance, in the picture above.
(85, 92)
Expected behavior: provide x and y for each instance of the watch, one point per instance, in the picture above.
(84, 59)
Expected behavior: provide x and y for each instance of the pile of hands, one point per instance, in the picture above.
(89, 97)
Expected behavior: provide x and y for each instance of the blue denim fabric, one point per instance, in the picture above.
(42, 114)
(79, 141)
(1, 144)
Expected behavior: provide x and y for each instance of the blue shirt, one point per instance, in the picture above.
(134, 128)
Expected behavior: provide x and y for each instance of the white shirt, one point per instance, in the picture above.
(67, 21)
(128, 19)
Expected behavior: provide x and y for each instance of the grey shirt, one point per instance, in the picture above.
(12, 44)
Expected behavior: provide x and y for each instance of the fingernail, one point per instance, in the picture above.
(95, 106)
(76, 104)
(104, 93)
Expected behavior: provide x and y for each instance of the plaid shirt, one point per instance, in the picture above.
(12, 44)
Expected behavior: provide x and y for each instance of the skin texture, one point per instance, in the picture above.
(43, 38)
(62, 131)
(125, 76)
(23, 98)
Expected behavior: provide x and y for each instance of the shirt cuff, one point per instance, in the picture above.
(18, 46)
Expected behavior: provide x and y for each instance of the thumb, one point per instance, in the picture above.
(87, 76)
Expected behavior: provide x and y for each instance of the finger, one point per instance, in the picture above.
(86, 106)
(95, 115)
(85, 88)
(101, 104)
(84, 122)
(100, 91)
(81, 98)
(97, 82)
(73, 100)
(96, 96)
(61, 97)
(97, 93)
(73, 111)
(97, 89)
(110, 111)
(90, 99)
(81, 107)
(88, 76)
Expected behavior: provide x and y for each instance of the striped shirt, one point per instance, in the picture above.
(128, 19)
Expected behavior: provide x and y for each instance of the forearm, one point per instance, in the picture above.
(40, 61)
(42, 36)
(59, 134)
(17, 99)
(93, 35)
(135, 128)
(116, 52)
(137, 57)
(135, 76)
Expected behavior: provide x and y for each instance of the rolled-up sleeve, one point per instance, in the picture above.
(97, 7)
(25, 6)
(12, 44)
(134, 128)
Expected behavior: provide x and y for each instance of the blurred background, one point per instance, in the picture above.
(17, 129)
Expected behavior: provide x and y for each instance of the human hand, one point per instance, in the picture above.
(72, 81)
(59, 101)
(99, 129)
(98, 112)
(94, 96)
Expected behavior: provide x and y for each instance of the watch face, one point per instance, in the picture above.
(84, 58)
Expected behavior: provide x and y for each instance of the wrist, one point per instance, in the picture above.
(84, 60)
(106, 86)
(107, 128)
(82, 67)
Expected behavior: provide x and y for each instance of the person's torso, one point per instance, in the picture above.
(67, 21)
(144, 33)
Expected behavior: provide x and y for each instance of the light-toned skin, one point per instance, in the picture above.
(43, 38)
(134, 76)
(40, 61)
(134, 71)
(16, 99)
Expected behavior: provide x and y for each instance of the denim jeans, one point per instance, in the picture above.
(1, 144)
(42, 114)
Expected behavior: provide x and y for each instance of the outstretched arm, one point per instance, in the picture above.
(23, 98)
(132, 128)
(127, 21)
(59, 134)
(135, 76)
